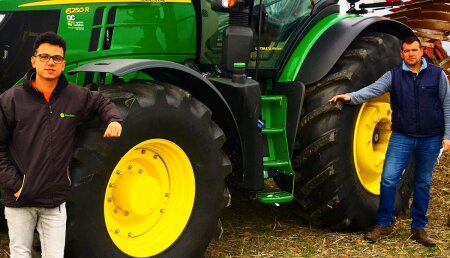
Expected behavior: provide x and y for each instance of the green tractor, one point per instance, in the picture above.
(215, 94)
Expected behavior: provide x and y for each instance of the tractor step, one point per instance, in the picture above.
(273, 125)
(272, 130)
(274, 197)
(276, 163)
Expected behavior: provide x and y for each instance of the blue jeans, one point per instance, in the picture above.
(400, 150)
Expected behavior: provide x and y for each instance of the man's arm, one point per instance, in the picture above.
(444, 95)
(10, 178)
(98, 105)
(378, 88)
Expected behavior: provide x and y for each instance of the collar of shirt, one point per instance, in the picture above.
(45, 93)
(424, 65)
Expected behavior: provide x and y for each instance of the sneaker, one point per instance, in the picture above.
(421, 236)
(378, 232)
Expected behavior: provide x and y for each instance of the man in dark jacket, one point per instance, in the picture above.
(38, 120)
(420, 103)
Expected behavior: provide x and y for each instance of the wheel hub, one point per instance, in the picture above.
(371, 138)
(149, 198)
(135, 193)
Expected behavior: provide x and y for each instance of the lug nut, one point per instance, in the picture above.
(143, 151)
(130, 234)
(140, 171)
(162, 211)
(130, 167)
(167, 195)
(126, 213)
(118, 172)
(155, 156)
(117, 231)
(110, 199)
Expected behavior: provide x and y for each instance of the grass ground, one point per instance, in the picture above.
(252, 229)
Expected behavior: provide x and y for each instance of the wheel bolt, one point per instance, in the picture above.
(118, 172)
(110, 185)
(117, 231)
(140, 171)
(162, 211)
(167, 195)
(130, 234)
(155, 156)
(130, 167)
(109, 199)
(126, 213)
(143, 151)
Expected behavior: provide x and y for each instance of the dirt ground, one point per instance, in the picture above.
(252, 229)
(4, 241)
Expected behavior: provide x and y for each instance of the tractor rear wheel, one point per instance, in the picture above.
(158, 190)
(341, 148)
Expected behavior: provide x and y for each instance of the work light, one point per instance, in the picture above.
(228, 3)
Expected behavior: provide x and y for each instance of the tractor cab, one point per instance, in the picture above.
(276, 26)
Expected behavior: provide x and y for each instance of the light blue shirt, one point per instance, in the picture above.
(384, 84)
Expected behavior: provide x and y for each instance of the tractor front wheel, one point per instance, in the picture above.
(158, 190)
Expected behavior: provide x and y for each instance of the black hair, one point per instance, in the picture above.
(410, 40)
(51, 38)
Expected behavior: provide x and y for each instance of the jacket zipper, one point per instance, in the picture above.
(68, 176)
(416, 101)
(50, 144)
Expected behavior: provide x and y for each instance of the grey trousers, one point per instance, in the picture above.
(49, 222)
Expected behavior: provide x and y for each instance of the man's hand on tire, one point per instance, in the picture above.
(446, 145)
(342, 97)
(114, 129)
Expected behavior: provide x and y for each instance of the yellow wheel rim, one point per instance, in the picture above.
(371, 138)
(149, 198)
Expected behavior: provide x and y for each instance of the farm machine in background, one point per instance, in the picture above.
(430, 20)
(214, 95)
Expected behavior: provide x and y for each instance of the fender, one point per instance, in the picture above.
(315, 54)
(185, 78)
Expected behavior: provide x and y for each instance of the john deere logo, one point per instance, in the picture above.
(67, 115)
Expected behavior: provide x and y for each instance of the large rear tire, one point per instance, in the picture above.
(158, 190)
(341, 148)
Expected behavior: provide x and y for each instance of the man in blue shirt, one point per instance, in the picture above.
(420, 103)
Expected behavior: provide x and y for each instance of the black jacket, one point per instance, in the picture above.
(36, 139)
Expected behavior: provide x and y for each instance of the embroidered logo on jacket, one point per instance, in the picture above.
(67, 115)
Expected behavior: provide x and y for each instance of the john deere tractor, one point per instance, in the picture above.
(215, 94)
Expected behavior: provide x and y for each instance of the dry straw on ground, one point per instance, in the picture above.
(252, 229)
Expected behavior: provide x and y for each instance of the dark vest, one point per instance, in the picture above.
(417, 108)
